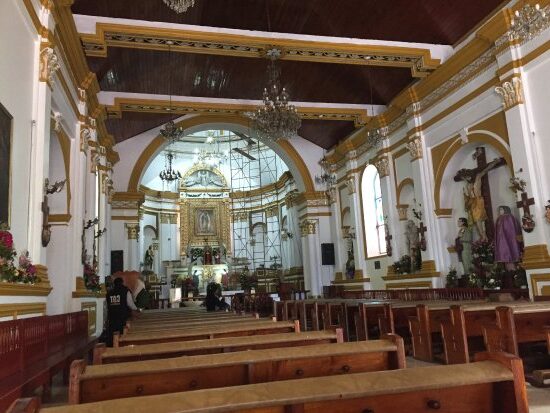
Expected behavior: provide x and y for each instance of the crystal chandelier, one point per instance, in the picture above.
(528, 22)
(211, 156)
(327, 178)
(179, 6)
(169, 174)
(277, 118)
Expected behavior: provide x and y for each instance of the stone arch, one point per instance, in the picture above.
(282, 148)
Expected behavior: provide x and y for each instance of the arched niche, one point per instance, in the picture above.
(60, 169)
(451, 196)
(457, 156)
(282, 148)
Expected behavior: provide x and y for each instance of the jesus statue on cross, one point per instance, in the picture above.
(474, 197)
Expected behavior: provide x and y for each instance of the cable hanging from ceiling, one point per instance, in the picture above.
(172, 133)
(277, 118)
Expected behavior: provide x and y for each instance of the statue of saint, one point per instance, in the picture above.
(412, 241)
(350, 266)
(207, 256)
(508, 239)
(149, 258)
(463, 245)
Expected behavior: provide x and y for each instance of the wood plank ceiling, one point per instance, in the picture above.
(213, 76)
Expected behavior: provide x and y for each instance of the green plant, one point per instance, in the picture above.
(452, 278)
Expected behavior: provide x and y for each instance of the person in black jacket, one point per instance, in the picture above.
(119, 309)
(214, 300)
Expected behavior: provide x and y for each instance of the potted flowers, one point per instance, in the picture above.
(91, 279)
(24, 272)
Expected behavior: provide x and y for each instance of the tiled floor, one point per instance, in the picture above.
(539, 399)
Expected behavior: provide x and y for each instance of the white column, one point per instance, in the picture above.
(311, 247)
(133, 246)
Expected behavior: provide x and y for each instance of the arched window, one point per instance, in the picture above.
(373, 212)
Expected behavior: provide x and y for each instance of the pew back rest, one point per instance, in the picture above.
(11, 349)
(35, 339)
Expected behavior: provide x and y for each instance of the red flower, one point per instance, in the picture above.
(6, 239)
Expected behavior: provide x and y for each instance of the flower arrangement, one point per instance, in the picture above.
(403, 266)
(452, 278)
(483, 252)
(91, 279)
(517, 184)
(248, 281)
(24, 271)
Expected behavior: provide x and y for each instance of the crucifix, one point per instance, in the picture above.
(528, 224)
(477, 194)
(389, 251)
(48, 190)
(421, 231)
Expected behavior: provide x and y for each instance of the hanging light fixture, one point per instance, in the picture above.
(179, 6)
(327, 177)
(277, 118)
(171, 132)
(212, 155)
(168, 174)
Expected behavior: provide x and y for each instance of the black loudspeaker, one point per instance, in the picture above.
(117, 261)
(327, 254)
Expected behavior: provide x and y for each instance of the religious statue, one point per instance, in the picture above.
(217, 257)
(547, 212)
(463, 245)
(508, 239)
(204, 178)
(149, 257)
(207, 256)
(350, 266)
(412, 241)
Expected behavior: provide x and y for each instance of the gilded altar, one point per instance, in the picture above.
(204, 209)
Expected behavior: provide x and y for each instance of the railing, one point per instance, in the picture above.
(29, 340)
(422, 294)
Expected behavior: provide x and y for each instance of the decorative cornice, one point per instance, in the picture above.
(419, 60)
(185, 106)
(308, 227)
(48, 64)
(127, 200)
(133, 230)
(383, 166)
(511, 92)
(415, 148)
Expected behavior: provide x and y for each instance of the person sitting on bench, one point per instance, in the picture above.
(214, 300)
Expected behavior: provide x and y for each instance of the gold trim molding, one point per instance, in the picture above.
(536, 257)
(535, 280)
(15, 310)
(419, 60)
(414, 284)
(359, 117)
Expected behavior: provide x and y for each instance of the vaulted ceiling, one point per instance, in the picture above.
(151, 70)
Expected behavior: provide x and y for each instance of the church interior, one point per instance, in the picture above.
(274, 206)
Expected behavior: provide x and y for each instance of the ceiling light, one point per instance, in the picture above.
(179, 6)
(277, 118)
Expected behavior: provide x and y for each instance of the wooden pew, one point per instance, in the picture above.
(465, 326)
(516, 325)
(103, 355)
(106, 382)
(494, 384)
(244, 329)
(185, 324)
